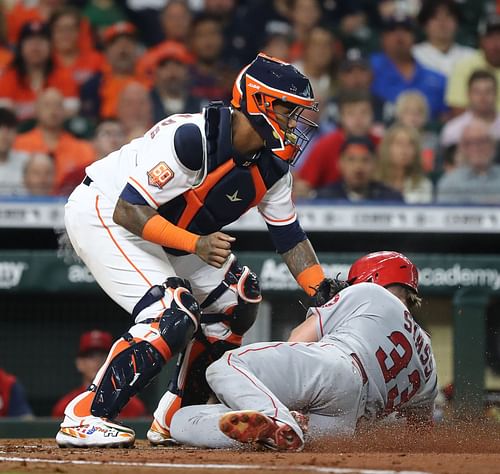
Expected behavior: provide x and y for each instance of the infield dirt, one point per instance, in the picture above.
(457, 449)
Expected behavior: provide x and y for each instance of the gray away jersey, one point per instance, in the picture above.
(369, 321)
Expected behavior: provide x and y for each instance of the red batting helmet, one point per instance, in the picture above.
(384, 268)
(268, 81)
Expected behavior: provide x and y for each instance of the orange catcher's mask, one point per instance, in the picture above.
(265, 83)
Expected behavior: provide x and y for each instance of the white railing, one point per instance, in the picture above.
(332, 217)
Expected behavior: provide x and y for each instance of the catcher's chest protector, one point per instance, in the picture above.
(228, 190)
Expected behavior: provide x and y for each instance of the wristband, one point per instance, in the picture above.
(310, 278)
(160, 231)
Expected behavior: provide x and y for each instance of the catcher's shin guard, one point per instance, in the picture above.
(220, 332)
(137, 357)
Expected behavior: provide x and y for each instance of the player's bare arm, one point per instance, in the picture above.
(304, 265)
(305, 331)
(213, 249)
(132, 217)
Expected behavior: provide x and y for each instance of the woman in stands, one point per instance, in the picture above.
(31, 71)
(400, 164)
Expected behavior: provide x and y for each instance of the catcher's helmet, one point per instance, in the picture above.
(262, 84)
(384, 268)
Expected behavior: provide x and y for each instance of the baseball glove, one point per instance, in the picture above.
(327, 289)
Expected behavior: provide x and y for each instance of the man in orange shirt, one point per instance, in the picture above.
(99, 95)
(71, 155)
(92, 352)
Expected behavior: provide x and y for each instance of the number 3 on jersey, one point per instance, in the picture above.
(392, 364)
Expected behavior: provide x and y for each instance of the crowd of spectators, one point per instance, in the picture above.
(408, 90)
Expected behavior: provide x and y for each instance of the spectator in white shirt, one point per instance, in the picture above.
(476, 179)
(440, 20)
(11, 161)
(482, 93)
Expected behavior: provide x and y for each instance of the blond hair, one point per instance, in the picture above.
(408, 97)
(385, 168)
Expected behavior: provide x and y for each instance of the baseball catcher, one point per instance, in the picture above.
(146, 221)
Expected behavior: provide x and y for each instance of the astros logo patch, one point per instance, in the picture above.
(160, 175)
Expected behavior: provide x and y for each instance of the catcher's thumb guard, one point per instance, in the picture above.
(326, 290)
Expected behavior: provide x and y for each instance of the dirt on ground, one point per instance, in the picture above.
(456, 449)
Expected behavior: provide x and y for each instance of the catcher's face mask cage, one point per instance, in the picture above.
(273, 95)
(384, 268)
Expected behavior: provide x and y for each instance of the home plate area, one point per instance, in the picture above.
(452, 449)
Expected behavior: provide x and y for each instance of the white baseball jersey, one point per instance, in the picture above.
(150, 171)
(150, 165)
(369, 321)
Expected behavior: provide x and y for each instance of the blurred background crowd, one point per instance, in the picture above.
(408, 90)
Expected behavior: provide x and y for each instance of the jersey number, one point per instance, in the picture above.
(398, 359)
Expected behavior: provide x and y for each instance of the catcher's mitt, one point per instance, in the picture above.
(326, 290)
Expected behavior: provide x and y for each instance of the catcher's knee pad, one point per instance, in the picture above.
(178, 323)
(157, 292)
(128, 372)
(245, 313)
(246, 285)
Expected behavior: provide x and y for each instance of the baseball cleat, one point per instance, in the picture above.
(301, 419)
(249, 426)
(159, 436)
(95, 432)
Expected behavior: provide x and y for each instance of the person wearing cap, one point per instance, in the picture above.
(354, 74)
(176, 21)
(31, 71)
(170, 93)
(92, 351)
(357, 168)
(440, 20)
(486, 58)
(396, 70)
(277, 40)
(100, 93)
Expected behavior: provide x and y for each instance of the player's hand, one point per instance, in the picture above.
(215, 248)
